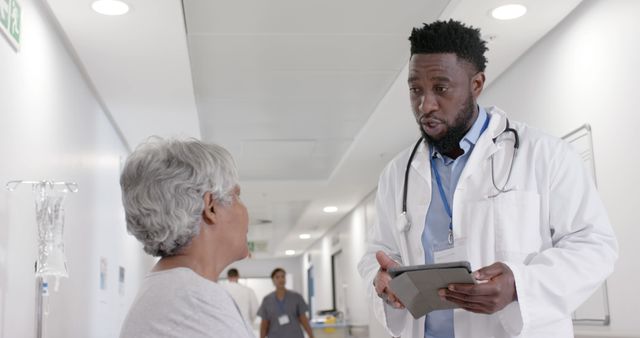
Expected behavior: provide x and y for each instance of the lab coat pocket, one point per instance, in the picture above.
(517, 225)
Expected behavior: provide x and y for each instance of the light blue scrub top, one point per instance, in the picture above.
(439, 324)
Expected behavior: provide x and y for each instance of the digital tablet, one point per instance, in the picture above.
(417, 286)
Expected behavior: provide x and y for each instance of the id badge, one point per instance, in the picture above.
(283, 320)
(457, 253)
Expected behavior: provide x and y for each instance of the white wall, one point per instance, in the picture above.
(586, 71)
(346, 237)
(52, 127)
(349, 237)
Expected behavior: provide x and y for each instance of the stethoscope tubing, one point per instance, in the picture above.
(516, 145)
(406, 176)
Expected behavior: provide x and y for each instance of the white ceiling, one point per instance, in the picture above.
(294, 89)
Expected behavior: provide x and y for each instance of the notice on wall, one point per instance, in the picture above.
(594, 311)
(10, 21)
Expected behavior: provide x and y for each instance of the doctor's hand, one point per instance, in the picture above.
(495, 290)
(381, 281)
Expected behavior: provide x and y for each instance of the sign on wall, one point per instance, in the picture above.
(10, 20)
(594, 311)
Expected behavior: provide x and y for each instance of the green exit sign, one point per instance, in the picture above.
(10, 14)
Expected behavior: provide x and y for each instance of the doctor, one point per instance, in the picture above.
(513, 201)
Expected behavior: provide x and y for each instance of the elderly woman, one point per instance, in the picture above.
(182, 201)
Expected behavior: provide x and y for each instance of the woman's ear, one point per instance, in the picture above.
(209, 213)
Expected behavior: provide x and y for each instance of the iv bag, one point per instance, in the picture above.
(50, 218)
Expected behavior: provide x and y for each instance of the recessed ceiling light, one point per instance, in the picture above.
(509, 12)
(330, 209)
(290, 252)
(110, 7)
(304, 236)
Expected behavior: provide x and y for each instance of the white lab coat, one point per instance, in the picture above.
(246, 300)
(552, 231)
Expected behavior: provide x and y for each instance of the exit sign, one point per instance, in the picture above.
(10, 14)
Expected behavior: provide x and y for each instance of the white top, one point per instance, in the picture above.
(180, 303)
(245, 298)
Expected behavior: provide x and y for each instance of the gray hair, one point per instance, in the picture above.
(163, 186)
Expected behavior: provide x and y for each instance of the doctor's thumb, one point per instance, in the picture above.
(385, 261)
(491, 271)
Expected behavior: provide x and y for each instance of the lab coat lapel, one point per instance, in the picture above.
(418, 199)
(485, 147)
(421, 164)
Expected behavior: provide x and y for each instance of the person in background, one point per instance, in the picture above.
(283, 311)
(243, 295)
(516, 203)
(182, 202)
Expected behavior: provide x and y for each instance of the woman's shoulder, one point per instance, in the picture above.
(182, 296)
(294, 294)
(269, 296)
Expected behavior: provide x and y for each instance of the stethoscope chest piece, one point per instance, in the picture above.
(402, 222)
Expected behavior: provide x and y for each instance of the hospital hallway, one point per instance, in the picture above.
(311, 101)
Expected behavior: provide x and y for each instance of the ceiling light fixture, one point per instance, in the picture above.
(509, 12)
(290, 252)
(330, 209)
(110, 7)
(304, 236)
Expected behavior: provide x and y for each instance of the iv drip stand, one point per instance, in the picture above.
(40, 281)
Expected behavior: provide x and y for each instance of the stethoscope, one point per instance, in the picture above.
(500, 190)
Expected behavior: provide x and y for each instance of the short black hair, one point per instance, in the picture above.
(450, 37)
(276, 270)
(232, 273)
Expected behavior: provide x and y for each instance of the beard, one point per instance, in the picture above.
(455, 132)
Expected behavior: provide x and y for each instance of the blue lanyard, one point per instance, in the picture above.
(443, 197)
(281, 304)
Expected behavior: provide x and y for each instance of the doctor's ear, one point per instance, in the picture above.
(209, 213)
(477, 84)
